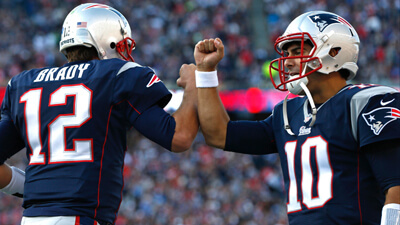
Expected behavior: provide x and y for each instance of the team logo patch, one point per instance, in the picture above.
(304, 130)
(154, 79)
(378, 118)
(323, 20)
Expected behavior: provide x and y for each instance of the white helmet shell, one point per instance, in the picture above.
(97, 25)
(325, 31)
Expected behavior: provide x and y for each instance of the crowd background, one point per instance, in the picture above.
(204, 185)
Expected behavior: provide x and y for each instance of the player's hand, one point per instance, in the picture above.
(187, 77)
(208, 53)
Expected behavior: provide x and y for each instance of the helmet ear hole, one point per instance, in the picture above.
(334, 51)
(112, 45)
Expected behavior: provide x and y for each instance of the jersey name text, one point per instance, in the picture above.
(65, 73)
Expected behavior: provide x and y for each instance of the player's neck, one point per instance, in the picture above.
(328, 86)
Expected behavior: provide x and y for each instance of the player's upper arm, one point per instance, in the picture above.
(384, 158)
(140, 86)
(157, 125)
(10, 140)
(250, 137)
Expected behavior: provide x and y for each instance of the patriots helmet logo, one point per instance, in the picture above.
(378, 118)
(323, 20)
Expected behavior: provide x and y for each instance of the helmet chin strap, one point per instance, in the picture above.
(285, 117)
(313, 109)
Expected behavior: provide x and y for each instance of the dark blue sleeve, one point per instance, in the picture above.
(380, 119)
(141, 87)
(157, 125)
(10, 140)
(250, 137)
(384, 158)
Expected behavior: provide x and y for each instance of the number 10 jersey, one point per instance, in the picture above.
(328, 177)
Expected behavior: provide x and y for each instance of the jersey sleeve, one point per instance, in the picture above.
(10, 139)
(379, 118)
(157, 125)
(384, 160)
(6, 104)
(141, 87)
(250, 137)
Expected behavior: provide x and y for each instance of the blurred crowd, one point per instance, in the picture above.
(204, 185)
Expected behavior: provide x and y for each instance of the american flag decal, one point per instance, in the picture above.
(81, 24)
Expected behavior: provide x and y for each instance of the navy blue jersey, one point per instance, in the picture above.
(328, 177)
(73, 120)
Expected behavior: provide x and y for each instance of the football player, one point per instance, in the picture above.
(73, 121)
(339, 143)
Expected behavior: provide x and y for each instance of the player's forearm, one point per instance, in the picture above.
(5, 175)
(391, 209)
(393, 195)
(187, 122)
(213, 117)
(12, 180)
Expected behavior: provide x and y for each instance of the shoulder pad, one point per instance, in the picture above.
(360, 99)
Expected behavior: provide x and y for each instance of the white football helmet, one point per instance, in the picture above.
(324, 30)
(100, 26)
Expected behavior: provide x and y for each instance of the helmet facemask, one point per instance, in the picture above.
(286, 76)
(125, 48)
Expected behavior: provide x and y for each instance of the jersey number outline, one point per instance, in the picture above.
(325, 174)
(58, 153)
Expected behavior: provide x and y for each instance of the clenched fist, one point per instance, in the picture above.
(208, 53)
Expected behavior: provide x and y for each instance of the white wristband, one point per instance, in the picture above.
(390, 214)
(16, 185)
(206, 79)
